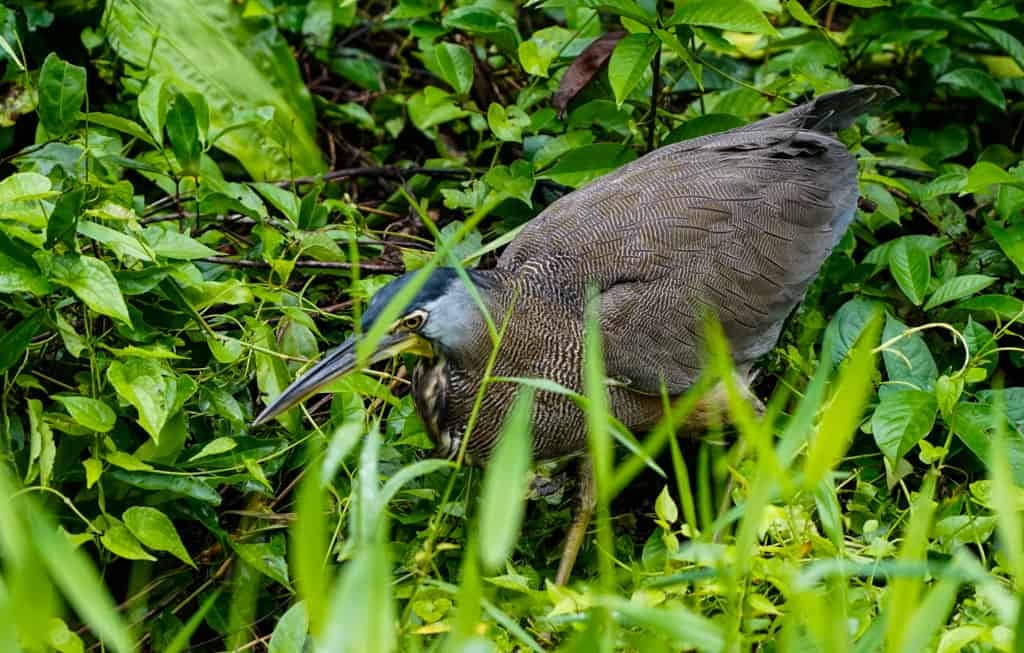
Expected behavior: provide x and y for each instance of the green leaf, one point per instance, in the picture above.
(975, 82)
(63, 218)
(18, 271)
(455, 66)
(840, 417)
(911, 268)
(503, 497)
(901, 419)
(515, 181)
(984, 174)
(796, 10)
(183, 132)
(959, 287)
(93, 414)
(61, 92)
(167, 242)
(145, 384)
(846, 326)
(43, 450)
(629, 61)
(122, 244)
(711, 123)
(25, 187)
(736, 16)
(184, 486)
(587, 163)
(625, 8)
(507, 123)
(1010, 239)
(431, 107)
(908, 361)
(119, 123)
(120, 541)
(14, 343)
(290, 633)
(266, 558)
(155, 529)
(178, 41)
(91, 280)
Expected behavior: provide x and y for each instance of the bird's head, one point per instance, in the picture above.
(440, 317)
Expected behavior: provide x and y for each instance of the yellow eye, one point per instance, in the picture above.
(413, 321)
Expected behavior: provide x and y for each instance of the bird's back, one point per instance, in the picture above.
(738, 222)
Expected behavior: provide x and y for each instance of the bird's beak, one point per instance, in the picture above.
(336, 364)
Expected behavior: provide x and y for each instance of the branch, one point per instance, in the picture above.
(384, 268)
(380, 171)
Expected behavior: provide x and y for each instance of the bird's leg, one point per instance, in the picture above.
(587, 494)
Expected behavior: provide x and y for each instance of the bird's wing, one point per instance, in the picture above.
(738, 223)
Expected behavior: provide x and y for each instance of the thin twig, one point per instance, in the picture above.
(386, 268)
(375, 171)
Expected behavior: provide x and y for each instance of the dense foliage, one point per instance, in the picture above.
(198, 197)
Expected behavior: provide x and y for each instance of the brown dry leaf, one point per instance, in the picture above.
(585, 68)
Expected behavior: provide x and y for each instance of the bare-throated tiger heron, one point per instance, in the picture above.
(738, 222)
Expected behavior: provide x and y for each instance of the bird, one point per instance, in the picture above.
(738, 223)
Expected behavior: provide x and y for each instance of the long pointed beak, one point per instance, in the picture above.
(336, 364)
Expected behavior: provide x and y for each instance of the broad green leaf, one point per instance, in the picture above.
(25, 187)
(846, 326)
(92, 281)
(959, 287)
(183, 133)
(507, 123)
(985, 174)
(515, 181)
(796, 10)
(902, 419)
(455, 65)
(266, 558)
(153, 104)
(977, 83)
(841, 416)
(63, 218)
(289, 634)
(908, 361)
(1010, 239)
(480, 20)
(119, 540)
(122, 244)
(19, 272)
(911, 268)
(127, 461)
(737, 16)
(432, 106)
(629, 61)
(147, 385)
(236, 64)
(14, 343)
(61, 92)
(119, 123)
(586, 163)
(711, 123)
(91, 413)
(166, 241)
(214, 447)
(155, 529)
(185, 486)
(42, 448)
(625, 8)
(502, 499)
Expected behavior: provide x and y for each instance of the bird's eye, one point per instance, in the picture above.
(413, 321)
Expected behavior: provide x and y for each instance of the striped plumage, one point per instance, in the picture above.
(738, 223)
